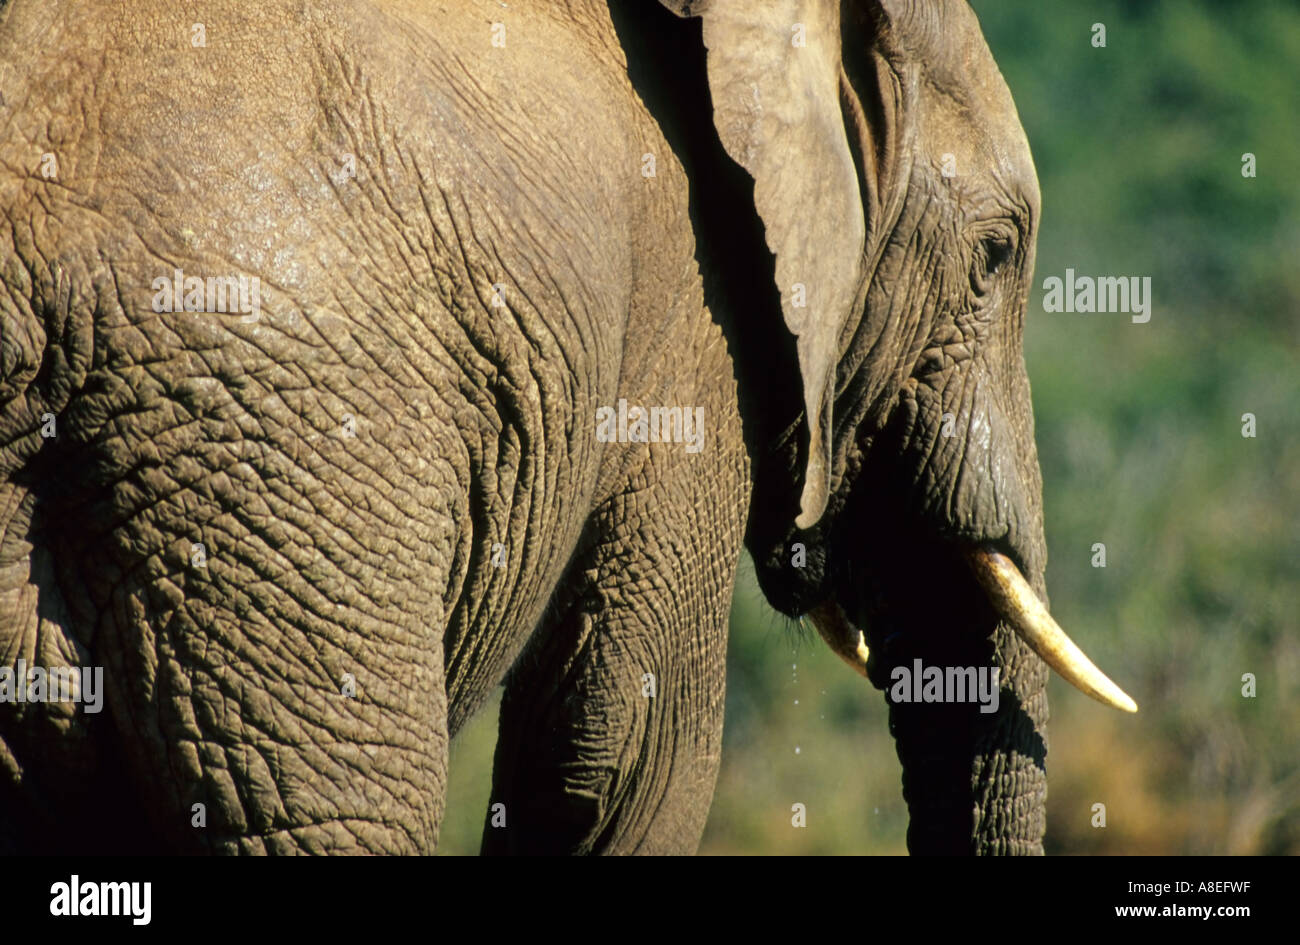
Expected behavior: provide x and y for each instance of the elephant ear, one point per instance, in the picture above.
(775, 72)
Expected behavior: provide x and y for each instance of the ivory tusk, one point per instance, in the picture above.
(1017, 604)
(846, 640)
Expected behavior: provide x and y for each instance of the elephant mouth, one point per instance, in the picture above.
(1015, 603)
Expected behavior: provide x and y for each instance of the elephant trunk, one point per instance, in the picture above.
(962, 650)
(966, 692)
(974, 773)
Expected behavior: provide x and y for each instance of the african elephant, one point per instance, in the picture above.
(357, 358)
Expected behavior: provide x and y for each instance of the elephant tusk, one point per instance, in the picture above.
(846, 640)
(1017, 604)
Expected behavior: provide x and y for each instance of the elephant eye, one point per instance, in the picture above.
(997, 250)
(994, 252)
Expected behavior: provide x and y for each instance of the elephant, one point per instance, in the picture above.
(360, 358)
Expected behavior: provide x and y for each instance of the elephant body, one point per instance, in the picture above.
(389, 472)
(359, 358)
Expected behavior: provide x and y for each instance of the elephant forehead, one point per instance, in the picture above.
(975, 136)
(963, 105)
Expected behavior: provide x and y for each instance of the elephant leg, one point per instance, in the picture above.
(271, 645)
(285, 730)
(611, 725)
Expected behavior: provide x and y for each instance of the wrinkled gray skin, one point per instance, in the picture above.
(393, 471)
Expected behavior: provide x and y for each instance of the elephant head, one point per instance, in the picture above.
(897, 494)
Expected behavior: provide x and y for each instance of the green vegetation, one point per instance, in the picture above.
(1139, 152)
